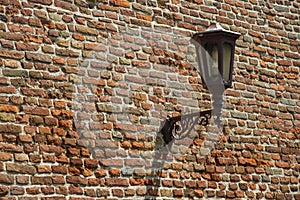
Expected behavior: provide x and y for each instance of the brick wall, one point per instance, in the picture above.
(85, 87)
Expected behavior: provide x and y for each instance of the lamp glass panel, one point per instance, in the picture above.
(212, 56)
(201, 60)
(227, 52)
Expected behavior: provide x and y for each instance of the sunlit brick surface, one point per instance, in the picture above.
(85, 87)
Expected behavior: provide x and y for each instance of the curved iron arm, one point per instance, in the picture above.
(180, 126)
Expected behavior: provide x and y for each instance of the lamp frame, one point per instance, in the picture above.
(216, 35)
(180, 126)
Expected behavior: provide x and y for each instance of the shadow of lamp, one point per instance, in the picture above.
(215, 57)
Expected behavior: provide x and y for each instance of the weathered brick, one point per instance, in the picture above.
(116, 182)
(140, 22)
(52, 149)
(6, 179)
(41, 180)
(283, 164)
(11, 54)
(95, 47)
(11, 147)
(152, 71)
(48, 49)
(34, 92)
(20, 179)
(26, 47)
(44, 169)
(15, 73)
(7, 90)
(4, 190)
(25, 138)
(112, 162)
(38, 57)
(10, 128)
(142, 8)
(76, 180)
(59, 169)
(20, 168)
(11, 36)
(118, 192)
(86, 30)
(45, 2)
(103, 192)
(66, 52)
(122, 3)
(36, 110)
(91, 163)
(12, 63)
(65, 5)
(144, 17)
(134, 162)
(54, 198)
(75, 190)
(129, 192)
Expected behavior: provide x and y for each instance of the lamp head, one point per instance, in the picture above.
(215, 53)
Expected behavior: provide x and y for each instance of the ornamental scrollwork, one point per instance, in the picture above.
(180, 126)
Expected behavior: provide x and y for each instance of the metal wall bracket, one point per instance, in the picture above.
(180, 126)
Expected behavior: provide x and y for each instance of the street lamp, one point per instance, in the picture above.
(215, 53)
(215, 56)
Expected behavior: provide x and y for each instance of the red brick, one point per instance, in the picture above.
(125, 127)
(22, 179)
(177, 193)
(58, 180)
(118, 192)
(52, 149)
(6, 179)
(76, 180)
(39, 57)
(17, 190)
(65, 5)
(25, 138)
(47, 190)
(54, 198)
(33, 190)
(134, 162)
(285, 165)
(86, 30)
(100, 173)
(59, 169)
(144, 17)
(117, 182)
(4, 190)
(93, 181)
(45, 2)
(114, 172)
(20, 168)
(26, 47)
(10, 128)
(36, 110)
(122, 3)
(112, 162)
(34, 92)
(210, 169)
(262, 102)
(11, 36)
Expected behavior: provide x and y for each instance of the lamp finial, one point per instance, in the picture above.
(214, 26)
